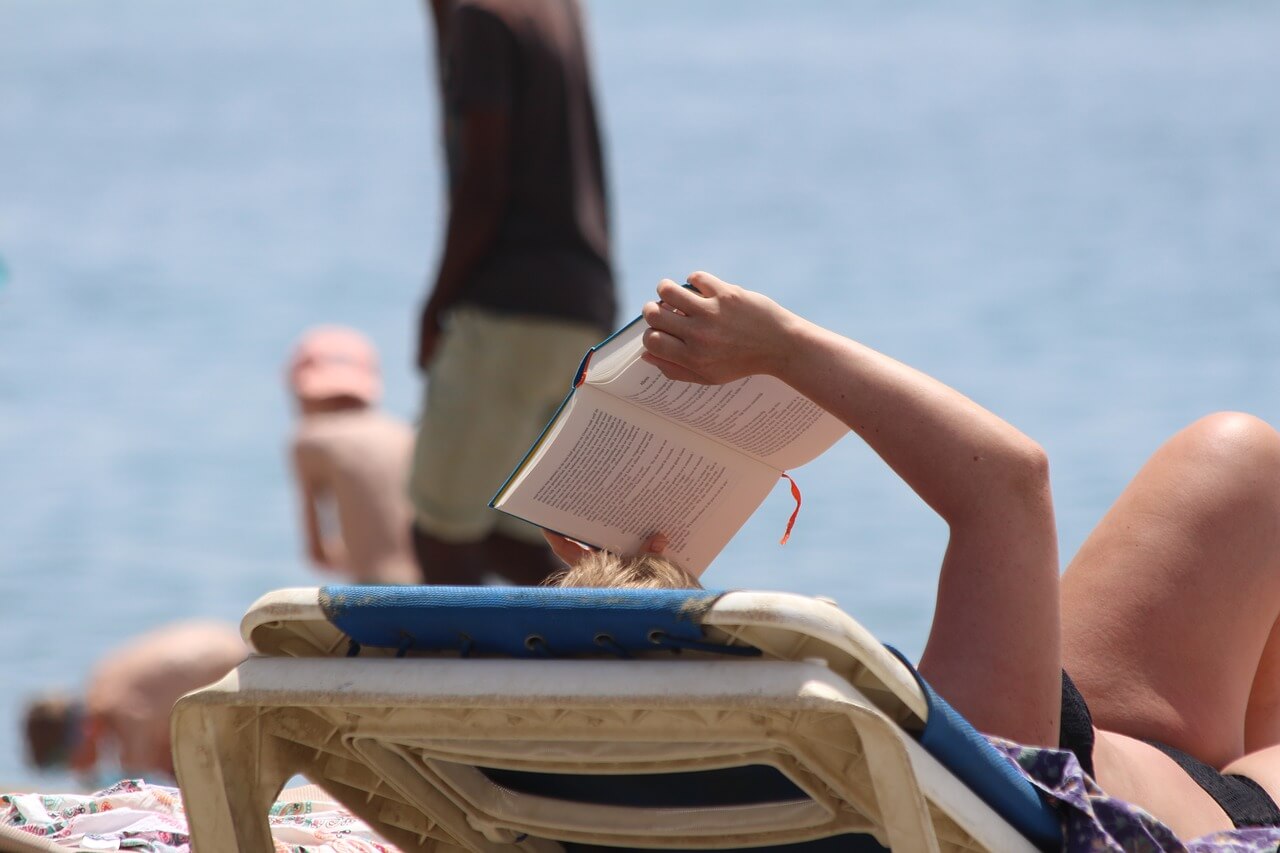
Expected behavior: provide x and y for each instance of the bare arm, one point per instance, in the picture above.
(476, 206)
(324, 551)
(993, 647)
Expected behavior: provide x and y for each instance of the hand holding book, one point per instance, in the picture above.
(671, 426)
(713, 332)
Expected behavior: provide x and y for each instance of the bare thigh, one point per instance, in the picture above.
(1170, 603)
(1263, 767)
(1138, 773)
(1262, 719)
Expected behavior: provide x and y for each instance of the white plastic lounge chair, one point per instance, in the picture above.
(567, 719)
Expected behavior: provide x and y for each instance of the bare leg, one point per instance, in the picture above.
(1262, 767)
(1262, 718)
(1262, 723)
(1169, 605)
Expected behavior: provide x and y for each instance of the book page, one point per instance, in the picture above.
(757, 415)
(618, 351)
(613, 475)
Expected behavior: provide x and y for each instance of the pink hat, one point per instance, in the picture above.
(335, 361)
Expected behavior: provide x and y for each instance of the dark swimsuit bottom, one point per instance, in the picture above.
(1243, 799)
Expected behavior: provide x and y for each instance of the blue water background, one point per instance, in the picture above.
(1068, 211)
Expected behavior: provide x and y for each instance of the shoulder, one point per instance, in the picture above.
(377, 434)
(360, 422)
(309, 451)
(316, 432)
(350, 429)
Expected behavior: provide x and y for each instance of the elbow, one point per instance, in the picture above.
(1007, 480)
(1032, 462)
(1025, 474)
(1004, 505)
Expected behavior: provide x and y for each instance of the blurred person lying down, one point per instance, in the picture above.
(121, 721)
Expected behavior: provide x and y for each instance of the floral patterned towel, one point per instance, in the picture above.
(134, 816)
(1095, 823)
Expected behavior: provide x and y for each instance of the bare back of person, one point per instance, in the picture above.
(133, 689)
(358, 459)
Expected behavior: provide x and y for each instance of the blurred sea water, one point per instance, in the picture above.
(1067, 211)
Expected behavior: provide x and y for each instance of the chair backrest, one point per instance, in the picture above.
(542, 623)
(522, 622)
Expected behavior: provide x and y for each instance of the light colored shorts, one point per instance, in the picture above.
(493, 385)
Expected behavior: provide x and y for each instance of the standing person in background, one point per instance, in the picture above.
(350, 460)
(524, 286)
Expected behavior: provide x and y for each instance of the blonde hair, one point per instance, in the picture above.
(604, 569)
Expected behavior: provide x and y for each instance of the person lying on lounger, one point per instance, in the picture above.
(1166, 619)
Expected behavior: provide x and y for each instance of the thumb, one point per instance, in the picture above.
(656, 543)
(671, 370)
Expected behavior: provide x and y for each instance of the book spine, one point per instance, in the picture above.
(582, 368)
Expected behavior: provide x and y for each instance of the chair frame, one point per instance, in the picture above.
(397, 740)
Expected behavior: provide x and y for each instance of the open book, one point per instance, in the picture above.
(631, 453)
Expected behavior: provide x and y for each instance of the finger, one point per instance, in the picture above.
(671, 370)
(665, 346)
(663, 318)
(570, 551)
(679, 298)
(656, 543)
(706, 284)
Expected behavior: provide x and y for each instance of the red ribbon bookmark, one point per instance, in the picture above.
(582, 371)
(791, 522)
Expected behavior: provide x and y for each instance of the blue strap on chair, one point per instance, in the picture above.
(523, 622)
(953, 740)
